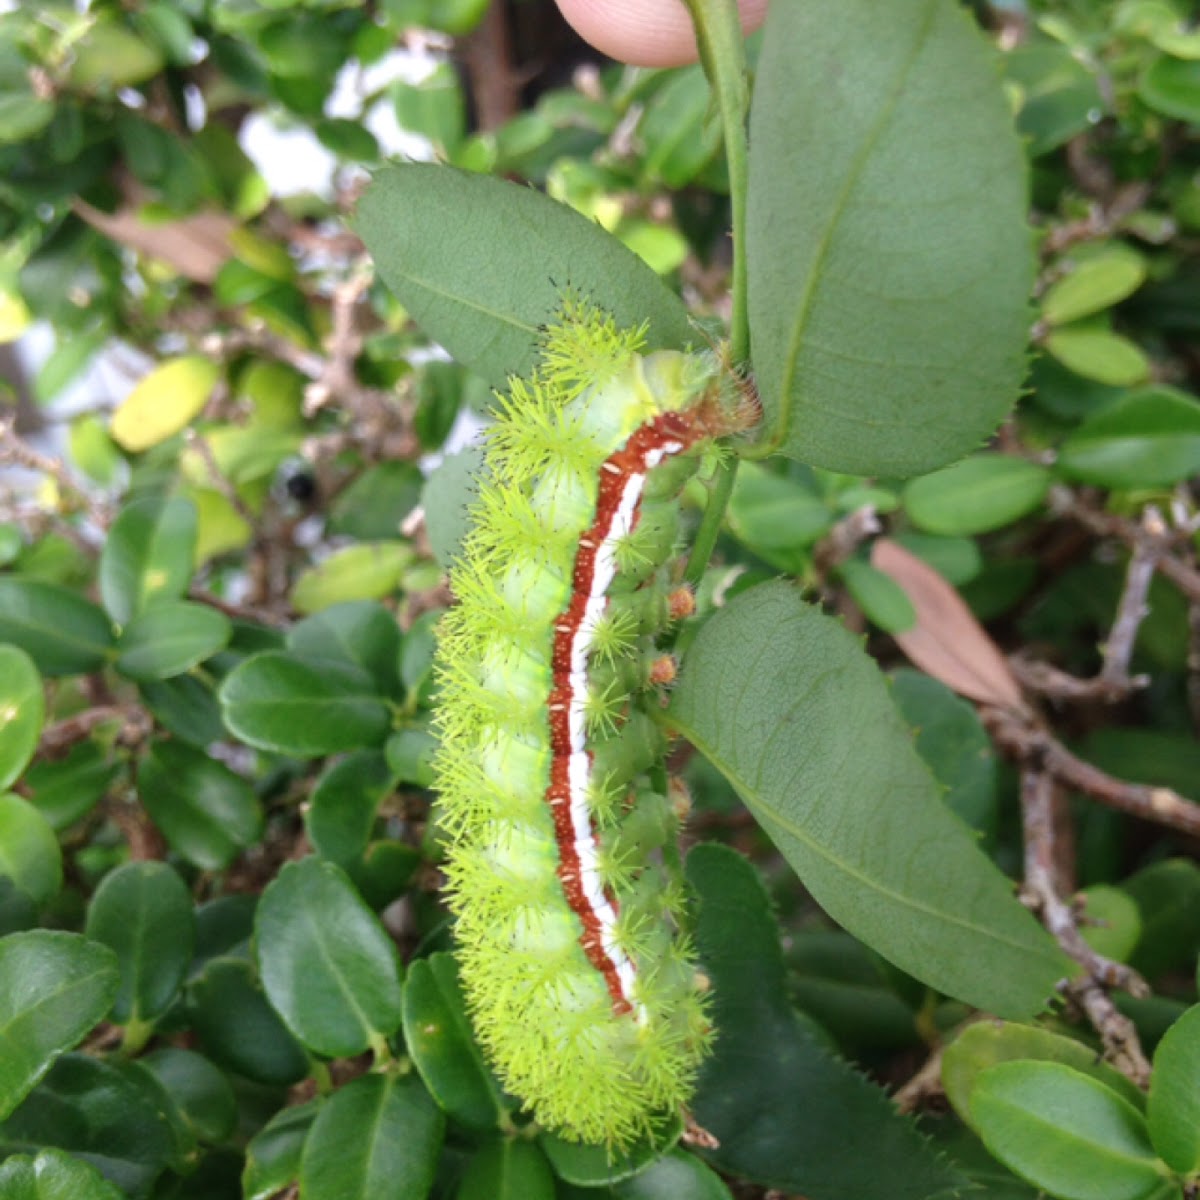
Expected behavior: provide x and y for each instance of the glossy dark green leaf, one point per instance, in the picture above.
(481, 264)
(410, 754)
(53, 1175)
(437, 1033)
(785, 704)
(143, 913)
(101, 1114)
(1173, 1109)
(984, 1044)
(54, 987)
(508, 1169)
(328, 965)
(376, 503)
(273, 1155)
(1065, 1132)
(170, 639)
(279, 702)
(206, 812)
(29, 851)
(677, 1176)
(22, 709)
(341, 810)
(784, 1109)
(224, 926)
(588, 1165)
(1148, 439)
(888, 310)
(65, 789)
(360, 634)
(379, 1135)
(187, 707)
(980, 493)
(238, 1027)
(1167, 894)
(147, 556)
(62, 632)
(200, 1092)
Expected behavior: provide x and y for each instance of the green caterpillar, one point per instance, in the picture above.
(563, 870)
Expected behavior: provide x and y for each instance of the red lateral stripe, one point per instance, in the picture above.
(630, 460)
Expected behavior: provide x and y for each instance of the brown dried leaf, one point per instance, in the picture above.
(946, 641)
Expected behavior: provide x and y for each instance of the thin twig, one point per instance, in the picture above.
(845, 537)
(337, 376)
(1122, 1047)
(1132, 608)
(923, 1086)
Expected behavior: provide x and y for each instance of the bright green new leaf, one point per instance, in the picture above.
(1065, 1132)
(278, 702)
(507, 1169)
(786, 705)
(368, 571)
(22, 708)
(164, 402)
(437, 1033)
(62, 632)
(1173, 1109)
(54, 987)
(29, 851)
(1100, 355)
(1094, 284)
(110, 56)
(170, 639)
(1148, 439)
(143, 913)
(482, 263)
(815, 1125)
(1111, 924)
(889, 270)
(377, 1136)
(328, 966)
(53, 1175)
(986, 491)
(881, 598)
(147, 556)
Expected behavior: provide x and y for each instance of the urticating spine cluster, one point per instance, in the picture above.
(563, 870)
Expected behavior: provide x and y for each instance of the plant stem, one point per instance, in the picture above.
(710, 523)
(722, 51)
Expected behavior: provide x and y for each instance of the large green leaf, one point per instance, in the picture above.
(171, 639)
(481, 264)
(147, 556)
(328, 965)
(378, 1136)
(62, 632)
(888, 255)
(785, 1110)
(22, 708)
(143, 913)
(53, 988)
(1174, 1105)
(29, 851)
(783, 701)
(53, 1175)
(507, 1169)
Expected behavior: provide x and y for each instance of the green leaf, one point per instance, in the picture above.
(53, 1175)
(29, 851)
(433, 108)
(785, 1110)
(1060, 94)
(23, 116)
(273, 1155)
(147, 556)
(278, 702)
(1094, 284)
(143, 913)
(164, 402)
(1150, 438)
(1064, 1132)
(508, 1169)
(202, 1095)
(954, 744)
(881, 598)
(379, 1135)
(369, 571)
(448, 494)
(437, 1033)
(106, 1116)
(62, 632)
(187, 707)
(65, 789)
(341, 810)
(1099, 354)
(986, 1043)
(374, 506)
(328, 965)
(889, 270)
(784, 703)
(170, 639)
(238, 1027)
(481, 264)
(1167, 894)
(1111, 924)
(109, 56)
(1172, 86)
(54, 987)
(591, 1165)
(777, 517)
(361, 635)
(22, 709)
(676, 1176)
(986, 491)
(1173, 1108)
(678, 132)
(206, 812)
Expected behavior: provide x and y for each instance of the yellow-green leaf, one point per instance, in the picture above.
(164, 402)
(365, 572)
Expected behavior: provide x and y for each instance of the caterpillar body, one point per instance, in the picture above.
(563, 872)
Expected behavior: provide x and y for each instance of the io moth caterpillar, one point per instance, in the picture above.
(562, 871)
